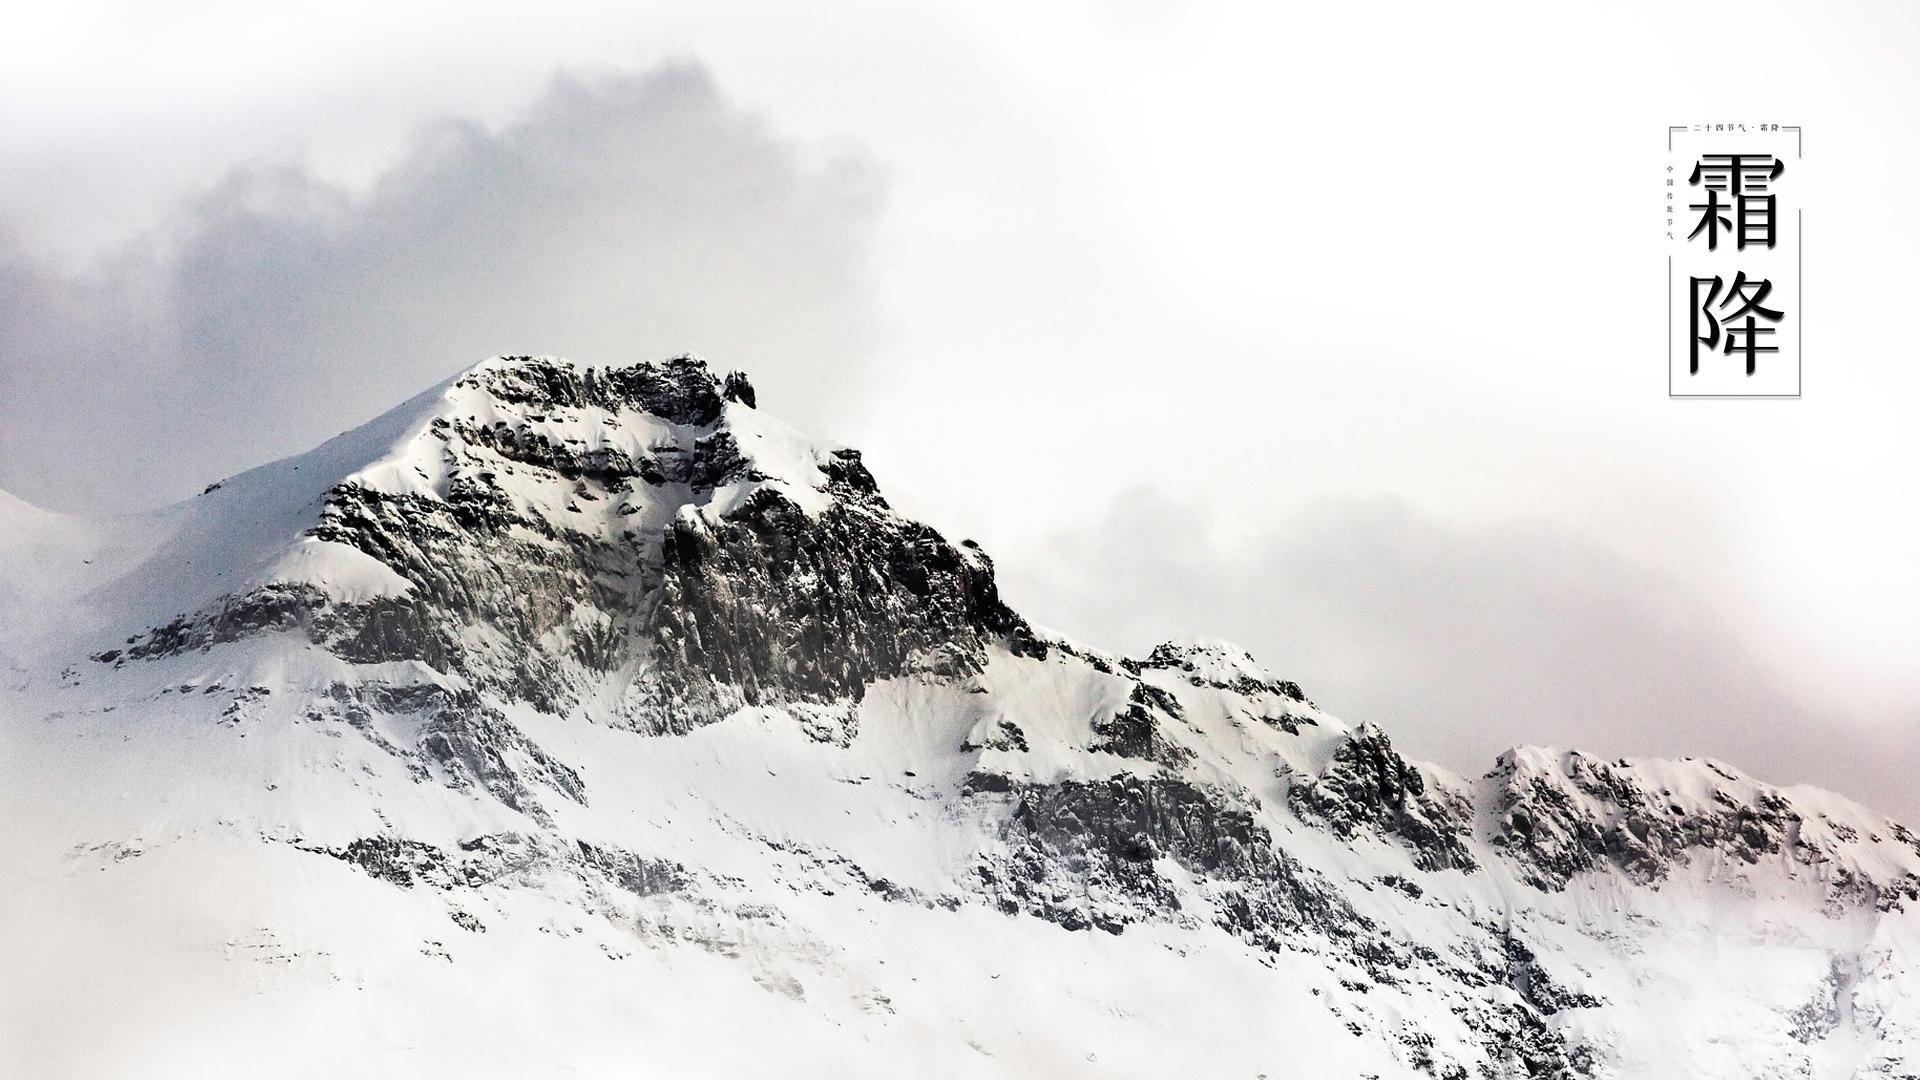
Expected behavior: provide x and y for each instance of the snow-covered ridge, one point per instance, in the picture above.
(258, 528)
(602, 678)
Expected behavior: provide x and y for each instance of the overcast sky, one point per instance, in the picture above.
(1339, 333)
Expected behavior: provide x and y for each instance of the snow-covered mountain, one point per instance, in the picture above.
(574, 721)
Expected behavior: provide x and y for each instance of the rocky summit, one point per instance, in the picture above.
(587, 721)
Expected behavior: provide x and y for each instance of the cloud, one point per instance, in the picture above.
(621, 219)
(1460, 642)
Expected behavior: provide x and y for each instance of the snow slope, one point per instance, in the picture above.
(589, 722)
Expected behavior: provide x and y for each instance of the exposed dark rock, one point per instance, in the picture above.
(457, 740)
(1005, 735)
(1368, 786)
(681, 390)
(1589, 814)
(1532, 981)
(1083, 854)
(403, 862)
(1135, 730)
(641, 877)
(1173, 656)
(493, 858)
(738, 389)
(771, 604)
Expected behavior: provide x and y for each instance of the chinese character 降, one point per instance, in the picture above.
(1742, 337)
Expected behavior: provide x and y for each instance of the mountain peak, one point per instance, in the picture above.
(680, 390)
(638, 541)
(1215, 662)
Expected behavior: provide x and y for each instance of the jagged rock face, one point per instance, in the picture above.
(770, 605)
(1368, 785)
(1136, 730)
(680, 391)
(763, 602)
(513, 604)
(486, 859)
(611, 647)
(1591, 815)
(1083, 855)
(454, 738)
(1134, 850)
(1220, 666)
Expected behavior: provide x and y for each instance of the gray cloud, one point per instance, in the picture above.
(621, 219)
(1461, 642)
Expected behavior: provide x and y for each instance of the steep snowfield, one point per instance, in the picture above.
(592, 723)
